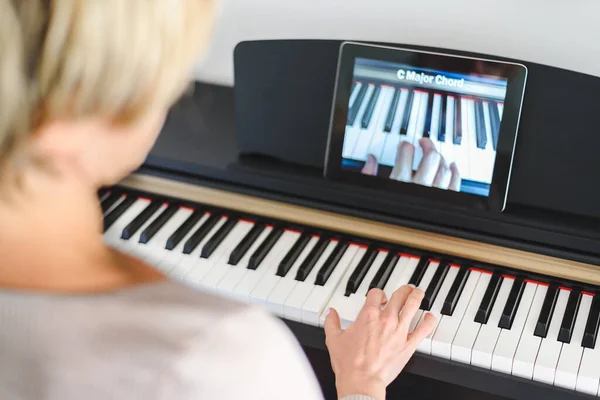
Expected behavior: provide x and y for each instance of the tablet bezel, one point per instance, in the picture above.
(516, 75)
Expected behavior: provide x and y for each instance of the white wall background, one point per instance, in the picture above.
(562, 33)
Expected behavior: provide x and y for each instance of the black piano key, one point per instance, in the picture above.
(331, 262)
(242, 248)
(494, 122)
(442, 131)
(568, 322)
(455, 291)
(109, 201)
(480, 125)
(389, 121)
(311, 259)
(366, 119)
(457, 121)
(543, 323)
(427, 129)
(591, 328)
(290, 258)
(101, 192)
(512, 304)
(384, 272)
(116, 212)
(489, 298)
(434, 286)
(353, 112)
(211, 245)
(407, 112)
(265, 247)
(140, 220)
(361, 270)
(158, 223)
(416, 277)
(200, 233)
(183, 230)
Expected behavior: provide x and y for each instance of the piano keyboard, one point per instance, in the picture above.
(490, 317)
(464, 129)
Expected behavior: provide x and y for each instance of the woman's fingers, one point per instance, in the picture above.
(402, 170)
(442, 179)
(455, 180)
(397, 301)
(371, 165)
(375, 298)
(429, 165)
(411, 306)
(423, 330)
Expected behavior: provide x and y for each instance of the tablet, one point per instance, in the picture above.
(425, 124)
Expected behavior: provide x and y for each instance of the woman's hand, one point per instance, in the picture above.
(371, 353)
(433, 169)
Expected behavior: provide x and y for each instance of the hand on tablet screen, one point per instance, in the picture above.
(433, 169)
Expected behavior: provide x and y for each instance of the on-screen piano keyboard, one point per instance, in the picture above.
(464, 128)
(510, 320)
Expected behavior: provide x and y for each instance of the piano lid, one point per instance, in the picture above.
(557, 33)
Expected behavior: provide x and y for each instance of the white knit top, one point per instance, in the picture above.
(153, 342)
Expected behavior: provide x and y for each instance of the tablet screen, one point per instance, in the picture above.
(425, 119)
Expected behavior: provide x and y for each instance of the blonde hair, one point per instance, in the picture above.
(116, 59)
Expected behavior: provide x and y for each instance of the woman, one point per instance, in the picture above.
(84, 89)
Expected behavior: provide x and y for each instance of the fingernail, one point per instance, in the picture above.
(411, 285)
(327, 311)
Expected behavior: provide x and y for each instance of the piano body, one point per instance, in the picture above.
(232, 199)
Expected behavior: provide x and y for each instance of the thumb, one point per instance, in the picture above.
(332, 323)
(371, 165)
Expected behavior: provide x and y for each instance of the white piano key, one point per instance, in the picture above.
(500, 110)
(352, 132)
(367, 134)
(425, 281)
(468, 330)
(461, 151)
(401, 274)
(355, 301)
(316, 301)
(529, 344)
(379, 134)
(436, 308)
(388, 156)
(156, 247)
(112, 236)
(547, 358)
(285, 285)
(354, 94)
(489, 333)
(571, 353)
(448, 144)
(506, 347)
(441, 343)
(172, 263)
(588, 378)
(435, 117)
(292, 308)
(414, 118)
(235, 273)
(420, 128)
(188, 262)
(477, 158)
(251, 278)
(204, 265)
(339, 301)
(220, 269)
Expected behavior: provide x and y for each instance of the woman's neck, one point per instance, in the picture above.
(51, 239)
